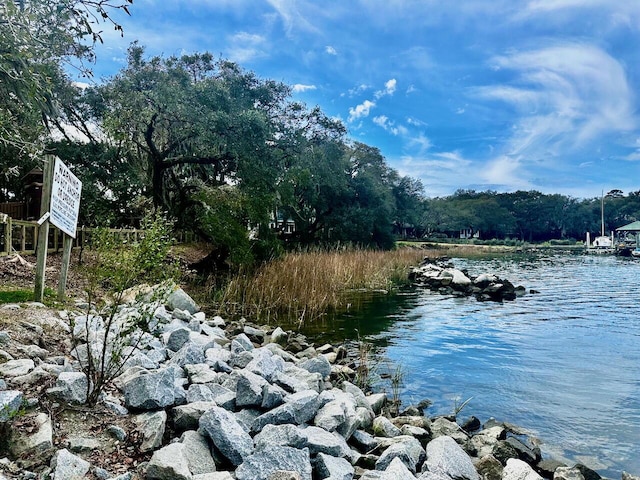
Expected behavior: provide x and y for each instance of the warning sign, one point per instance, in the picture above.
(65, 199)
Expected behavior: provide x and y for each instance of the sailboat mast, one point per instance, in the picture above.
(602, 212)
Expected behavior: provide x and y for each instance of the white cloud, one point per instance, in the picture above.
(299, 87)
(330, 50)
(390, 126)
(244, 47)
(441, 173)
(292, 17)
(358, 89)
(411, 89)
(505, 171)
(421, 143)
(566, 96)
(389, 88)
(416, 122)
(361, 110)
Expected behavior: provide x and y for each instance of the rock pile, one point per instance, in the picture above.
(207, 400)
(440, 275)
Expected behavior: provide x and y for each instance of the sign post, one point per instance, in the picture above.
(61, 201)
(43, 229)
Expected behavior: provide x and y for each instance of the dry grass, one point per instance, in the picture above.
(304, 286)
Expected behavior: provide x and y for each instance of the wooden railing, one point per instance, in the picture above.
(21, 236)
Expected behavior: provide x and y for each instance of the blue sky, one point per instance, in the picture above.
(473, 94)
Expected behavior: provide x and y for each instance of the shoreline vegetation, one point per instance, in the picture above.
(307, 285)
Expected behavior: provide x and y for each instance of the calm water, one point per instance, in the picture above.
(564, 363)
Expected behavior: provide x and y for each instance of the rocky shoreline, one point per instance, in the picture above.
(205, 399)
(441, 275)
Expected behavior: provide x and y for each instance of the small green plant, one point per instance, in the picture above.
(458, 407)
(397, 383)
(364, 367)
(110, 335)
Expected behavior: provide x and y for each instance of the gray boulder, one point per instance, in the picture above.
(223, 396)
(197, 452)
(198, 392)
(443, 427)
(408, 450)
(397, 470)
(298, 408)
(320, 441)
(382, 427)
(265, 364)
(34, 443)
(272, 396)
(226, 434)
(169, 463)
(151, 426)
(16, 368)
(284, 435)
(445, 456)
(568, 473)
(79, 444)
(489, 468)
(201, 373)
(67, 466)
(175, 339)
(150, 390)
(249, 390)
(263, 463)
(241, 344)
(317, 365)
(331, 416)
(186, 417)
(363, 441)
(179, 299)
(190, 353)
(518, 470)
(10, 404)
(73, 386)
(333, 468)
(279, 336)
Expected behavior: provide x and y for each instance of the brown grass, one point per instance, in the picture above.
(304, 286)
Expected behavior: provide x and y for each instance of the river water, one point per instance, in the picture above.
(563, 363)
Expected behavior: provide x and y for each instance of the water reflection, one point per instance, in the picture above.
(563, 363)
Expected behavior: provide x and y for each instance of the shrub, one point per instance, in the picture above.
(110, 334)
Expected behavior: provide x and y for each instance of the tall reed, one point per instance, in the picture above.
(306, 285)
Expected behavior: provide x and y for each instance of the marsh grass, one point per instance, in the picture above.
(306, 285)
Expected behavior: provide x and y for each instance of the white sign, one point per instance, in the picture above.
(65, 199)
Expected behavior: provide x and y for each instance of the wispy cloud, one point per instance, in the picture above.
(389, 89)
(244, 47)
(360, 111)
(299, 87)
(566, 96)
(441, 173)
(292, 17)
(505, 172)
(389, 125)
(330, 50)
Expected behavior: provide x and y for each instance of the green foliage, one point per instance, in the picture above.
(22, 296)
(36, 38)
(115, 269)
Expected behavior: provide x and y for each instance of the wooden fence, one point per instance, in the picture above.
(21, 236)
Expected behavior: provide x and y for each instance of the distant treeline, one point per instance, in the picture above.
(527, 215)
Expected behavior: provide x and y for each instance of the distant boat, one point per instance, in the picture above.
(602, 244)
(635, 253)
